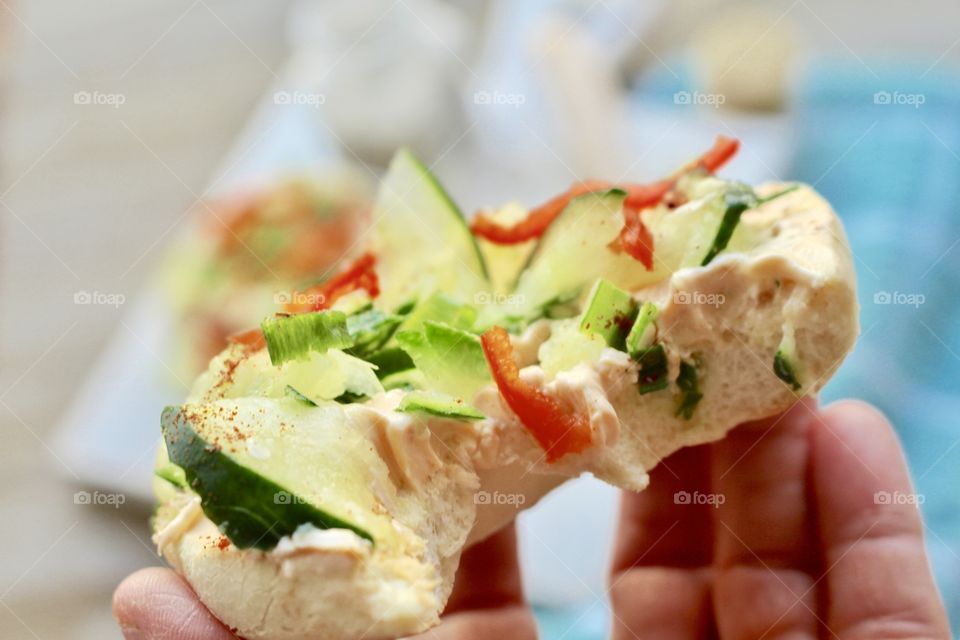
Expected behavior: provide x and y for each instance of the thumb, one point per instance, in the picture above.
(156, 603)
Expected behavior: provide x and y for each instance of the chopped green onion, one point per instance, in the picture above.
(690, 393)
(295, 337)
(653, 369)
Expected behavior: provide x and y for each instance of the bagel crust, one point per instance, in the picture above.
(731, 316)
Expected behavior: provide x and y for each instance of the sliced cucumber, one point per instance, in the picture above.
(785, 361)
(390, 361)
(439, 307)
(319, 377)
(610, 314)
(644, 331)
(245, 459)
(570, 256)
(172, 474)
(295, 337)
(579, 246)
(737, 199)
(439, 404)
(450, 359)
(371, 329)
(409, 380)
(422, 241)
(296, 395)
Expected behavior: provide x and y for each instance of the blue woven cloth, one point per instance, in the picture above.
(891, 169)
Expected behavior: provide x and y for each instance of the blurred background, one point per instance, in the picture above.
(121, 121)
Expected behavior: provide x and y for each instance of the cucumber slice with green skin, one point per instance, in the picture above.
(371, 330)
(295, 337)
(439, 404)
(296, 395)
(422, 242)
(172, 474)
(439, 307)
(409, 380)
(689, 386)
(610, 314)
(570, 256)
(644, 331)
(785, 360)
(784, 370)
(322, 377)
(576, 248)
(737, 199)
(240, 491)
(450, 359)
(390, 361)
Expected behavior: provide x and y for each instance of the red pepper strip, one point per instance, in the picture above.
(639, 196)
(635, 238)
(643, 196)
(537, 219)
(723, 149)
(251, 340)
(359, 275)
(558, 431)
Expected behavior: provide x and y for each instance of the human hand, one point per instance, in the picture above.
(791, 543)
(794, 545)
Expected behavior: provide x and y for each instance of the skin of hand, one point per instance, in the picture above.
(774, 532)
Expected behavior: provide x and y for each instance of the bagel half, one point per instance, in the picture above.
(394, 472)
